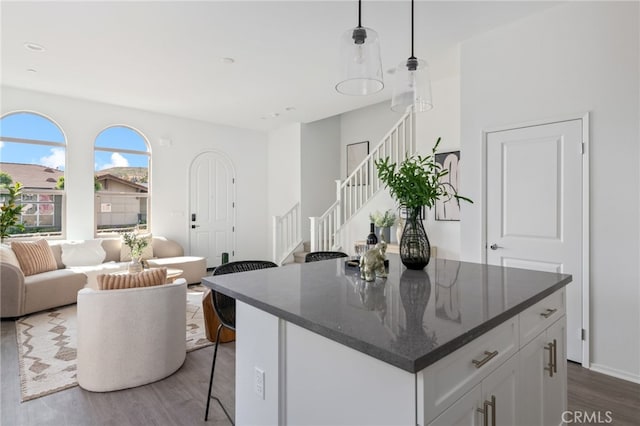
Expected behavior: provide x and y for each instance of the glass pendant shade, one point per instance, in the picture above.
(360, 59)
(412, 87)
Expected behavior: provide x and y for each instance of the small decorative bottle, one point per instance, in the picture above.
(372, 240)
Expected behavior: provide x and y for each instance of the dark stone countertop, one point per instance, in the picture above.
(410, 320)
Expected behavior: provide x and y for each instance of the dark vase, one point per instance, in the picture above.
(415, 250)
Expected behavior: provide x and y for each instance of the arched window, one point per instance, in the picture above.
(33, 152)
(122, 161)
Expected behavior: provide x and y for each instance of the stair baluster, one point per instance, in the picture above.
(363, 183)
(287, 234)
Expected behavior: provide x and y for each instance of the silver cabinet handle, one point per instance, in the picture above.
(552, 366)
(485, 411)
(494, 246)
(487, 358)
(555, 356)
(548, 313)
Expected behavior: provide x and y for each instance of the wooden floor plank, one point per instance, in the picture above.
(180, 399)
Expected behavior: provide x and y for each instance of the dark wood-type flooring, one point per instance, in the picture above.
(180, 399)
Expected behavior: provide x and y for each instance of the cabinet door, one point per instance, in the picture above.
(503, 385)
(463, 412)
(533, 359)
(555, 387)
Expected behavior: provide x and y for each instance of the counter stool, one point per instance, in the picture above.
(225, 308)
(316, 256)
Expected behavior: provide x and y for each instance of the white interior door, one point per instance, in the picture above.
(212, 204)
(534, 207)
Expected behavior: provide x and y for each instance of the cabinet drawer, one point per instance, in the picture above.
(442, 383)
(538, 317)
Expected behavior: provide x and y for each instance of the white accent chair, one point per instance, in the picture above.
(130, 337)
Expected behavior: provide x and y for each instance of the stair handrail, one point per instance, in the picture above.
(287, 233)
(324, 228)
(362, 184)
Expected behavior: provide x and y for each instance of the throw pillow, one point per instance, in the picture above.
(83, 253)
(147, 252)
(34, 256)
(147, 278)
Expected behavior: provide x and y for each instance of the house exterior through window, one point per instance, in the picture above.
(122, 160)
(33, 152)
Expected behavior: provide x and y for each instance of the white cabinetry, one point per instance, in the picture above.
(510, 386)
(443, 382)
(464, 411)
(543, 365)
(491, 402)
(543, 377)
(514, 374)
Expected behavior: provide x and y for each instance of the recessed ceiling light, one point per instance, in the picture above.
(290, 108)
(34, 47)
(32, 70)
(227, 60)
(270, 116)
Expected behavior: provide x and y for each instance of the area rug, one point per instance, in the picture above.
(47, 346)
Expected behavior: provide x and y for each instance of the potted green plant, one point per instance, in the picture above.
(10, 210)
(415, 184)
(383, 222)
(136, 245)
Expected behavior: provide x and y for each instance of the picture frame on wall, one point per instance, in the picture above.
(448, 209)
(356, 153)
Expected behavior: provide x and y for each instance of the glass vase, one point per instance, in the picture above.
(135, 266)
(415, 250)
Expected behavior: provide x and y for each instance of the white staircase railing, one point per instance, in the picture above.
(324, 229)
(362, 184)
(287, 234)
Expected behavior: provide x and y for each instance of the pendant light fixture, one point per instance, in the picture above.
(360, 58)
(412, 88)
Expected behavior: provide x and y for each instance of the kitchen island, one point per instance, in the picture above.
(456, 342)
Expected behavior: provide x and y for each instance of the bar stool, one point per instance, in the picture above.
(225, 308)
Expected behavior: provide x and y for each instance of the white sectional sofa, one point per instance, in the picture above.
(21, 295)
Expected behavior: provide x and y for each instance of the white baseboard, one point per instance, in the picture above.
(624, 375)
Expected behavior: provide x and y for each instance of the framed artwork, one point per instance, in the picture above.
(449, 208)
(356, 152)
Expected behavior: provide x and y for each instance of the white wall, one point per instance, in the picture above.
(284, 175)
(81, 122)
(320, 160)
(372, 123)
(574, 58)
(442, 121)
(365, 124)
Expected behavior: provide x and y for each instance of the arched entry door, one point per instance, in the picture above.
(212, 207)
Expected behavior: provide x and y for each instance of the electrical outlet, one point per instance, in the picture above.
(259, 382)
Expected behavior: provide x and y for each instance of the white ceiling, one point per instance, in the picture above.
(166, 56)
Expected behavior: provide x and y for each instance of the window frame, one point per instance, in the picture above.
(55, 192)
(113, 232)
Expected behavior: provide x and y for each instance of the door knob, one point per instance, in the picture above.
(494, 246)
(195, 226)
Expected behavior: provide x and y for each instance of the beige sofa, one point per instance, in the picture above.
(21, 295)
